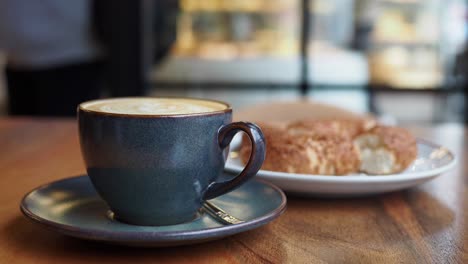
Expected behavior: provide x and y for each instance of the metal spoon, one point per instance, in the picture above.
(220, 215)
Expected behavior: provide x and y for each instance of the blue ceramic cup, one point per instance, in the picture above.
(157, 167)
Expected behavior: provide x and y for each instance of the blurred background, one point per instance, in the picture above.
(403, 60)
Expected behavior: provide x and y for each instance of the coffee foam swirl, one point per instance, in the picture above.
(153, 106)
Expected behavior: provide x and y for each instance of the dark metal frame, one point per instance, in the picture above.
(304, 41)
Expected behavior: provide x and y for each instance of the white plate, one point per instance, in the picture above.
(432, 160)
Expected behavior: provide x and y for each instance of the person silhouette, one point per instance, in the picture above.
(53, 60)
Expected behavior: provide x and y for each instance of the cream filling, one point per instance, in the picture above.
(375, 158)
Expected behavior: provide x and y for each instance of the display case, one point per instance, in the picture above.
(259, 42)
(349, 52)
(247, 41)
(405, 44)
(413, 43)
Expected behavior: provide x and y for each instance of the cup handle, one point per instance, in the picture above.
(257, 156)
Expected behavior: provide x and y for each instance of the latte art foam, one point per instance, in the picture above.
(153, 106)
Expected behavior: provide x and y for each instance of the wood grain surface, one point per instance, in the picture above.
(426, 224)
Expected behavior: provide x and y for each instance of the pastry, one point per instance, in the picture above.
(322, 129)
(335, 147)
(292, 153)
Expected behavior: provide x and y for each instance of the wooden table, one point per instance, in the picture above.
(427, 224)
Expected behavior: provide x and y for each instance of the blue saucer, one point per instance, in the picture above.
(72, 207)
